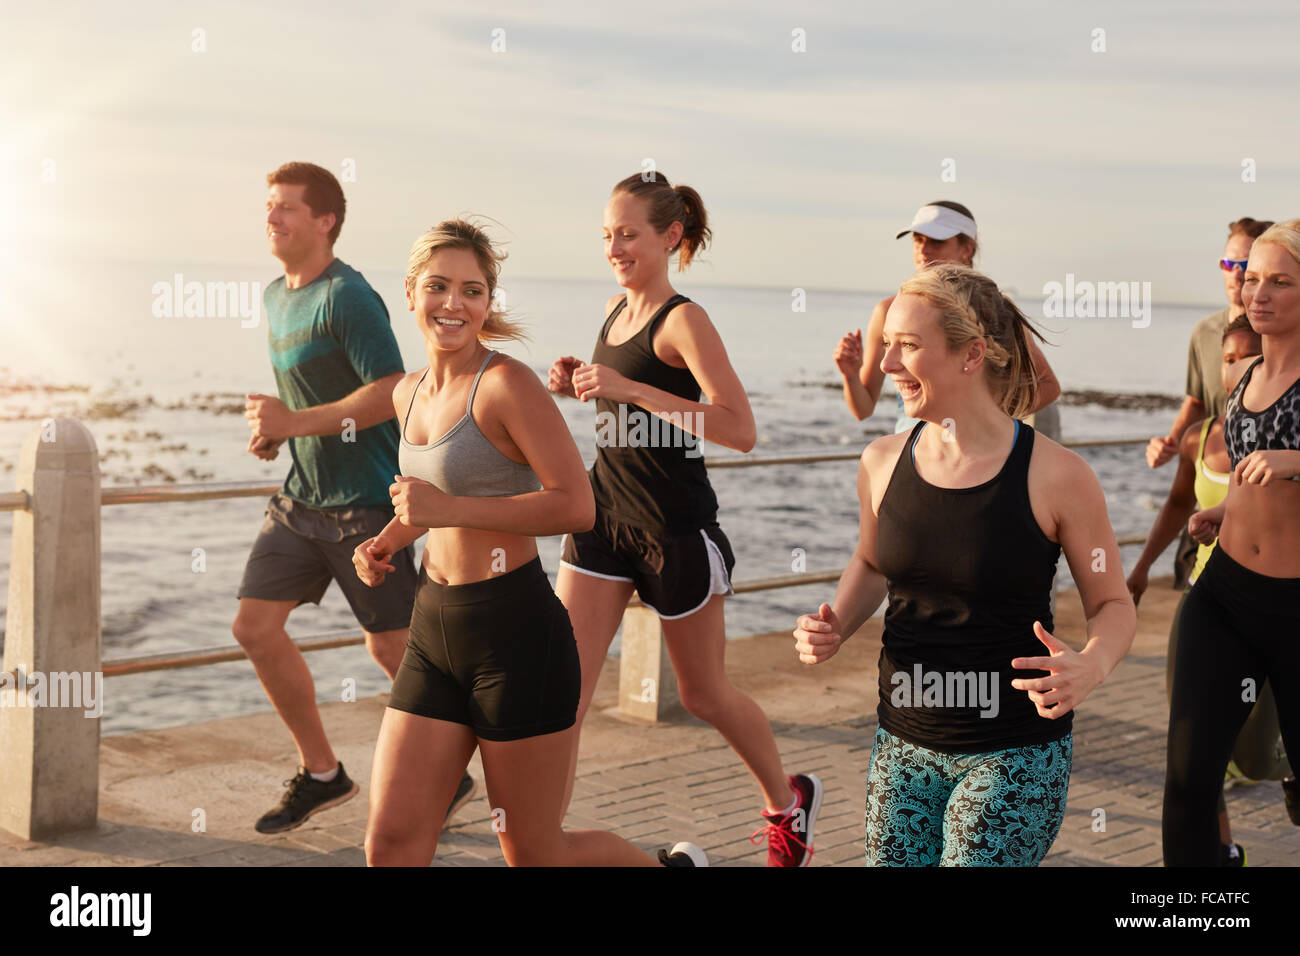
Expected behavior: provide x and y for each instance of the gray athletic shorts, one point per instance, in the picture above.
(300, 549)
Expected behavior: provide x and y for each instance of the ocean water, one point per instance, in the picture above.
(164, 400)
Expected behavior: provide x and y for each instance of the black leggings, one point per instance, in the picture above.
(1258, 751)
(1236, 626)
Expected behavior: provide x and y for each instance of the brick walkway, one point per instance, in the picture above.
(653, 785)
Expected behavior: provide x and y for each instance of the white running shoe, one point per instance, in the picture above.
(683, 854)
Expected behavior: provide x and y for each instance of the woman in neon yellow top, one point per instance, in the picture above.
(1202, 482)
(1211, 486)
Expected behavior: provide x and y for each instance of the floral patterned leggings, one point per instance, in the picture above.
(928, 808)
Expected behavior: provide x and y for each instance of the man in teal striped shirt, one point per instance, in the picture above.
(336, 363)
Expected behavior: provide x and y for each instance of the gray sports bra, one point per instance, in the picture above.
(463, 462)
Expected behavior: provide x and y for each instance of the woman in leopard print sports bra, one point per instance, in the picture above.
(1242, 618)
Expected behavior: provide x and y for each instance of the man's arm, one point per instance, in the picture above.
(1163, 448)
(1192, 409)
(369, 405)
(358, 321)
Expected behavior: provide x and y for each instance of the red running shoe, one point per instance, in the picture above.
(790, 835)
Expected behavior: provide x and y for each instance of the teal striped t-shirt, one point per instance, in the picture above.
(327, 339)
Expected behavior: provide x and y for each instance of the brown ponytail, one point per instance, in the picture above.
(1022, 377)
(667, 204)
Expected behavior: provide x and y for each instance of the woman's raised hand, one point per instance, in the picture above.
(1072, 676)
(601, 381)
(848, 354)
(1204, 525)
(420, 504)
(560, 378)
(372, 559)
(817, 636)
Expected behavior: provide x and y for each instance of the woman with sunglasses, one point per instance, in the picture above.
(1205, 397)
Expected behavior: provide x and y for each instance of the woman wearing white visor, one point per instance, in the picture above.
(942, 231)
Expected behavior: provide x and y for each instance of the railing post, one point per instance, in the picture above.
(49, 721)
(1046, 421)
(647, 685)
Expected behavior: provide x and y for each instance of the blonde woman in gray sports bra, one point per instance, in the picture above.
(487, 465)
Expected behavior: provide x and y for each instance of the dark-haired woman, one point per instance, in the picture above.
(961, 523)
(1240, 623)
(656, 528)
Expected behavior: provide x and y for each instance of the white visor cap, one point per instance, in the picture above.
(940, 222)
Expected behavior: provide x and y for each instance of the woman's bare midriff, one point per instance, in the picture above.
(1261, 528)
(455, 556)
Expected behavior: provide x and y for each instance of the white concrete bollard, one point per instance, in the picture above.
(647, 685)
(49, 747)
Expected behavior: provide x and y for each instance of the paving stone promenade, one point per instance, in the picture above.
(653, 785)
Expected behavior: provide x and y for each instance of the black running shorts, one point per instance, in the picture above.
(497, 655)
(299, 550)
(674, 575)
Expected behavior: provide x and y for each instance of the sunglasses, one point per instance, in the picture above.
(1228, 265)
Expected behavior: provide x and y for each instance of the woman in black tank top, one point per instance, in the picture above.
(1241, 619)
(656, 529)
(962, 522)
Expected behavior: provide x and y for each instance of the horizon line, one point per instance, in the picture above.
(1012, 291)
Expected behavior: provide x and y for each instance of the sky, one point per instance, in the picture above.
(142, 133)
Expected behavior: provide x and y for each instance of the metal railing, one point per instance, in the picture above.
(51, 756)
(211, 491)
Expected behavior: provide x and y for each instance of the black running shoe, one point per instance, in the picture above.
(1291, 796)
(464, 794)
(1234, 855)
(305, 797)
(683, 854)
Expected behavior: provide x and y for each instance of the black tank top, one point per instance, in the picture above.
(649, 473)
(1276, 428)
(969, 572)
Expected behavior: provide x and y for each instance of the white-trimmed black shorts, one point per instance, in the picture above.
(675, 574)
